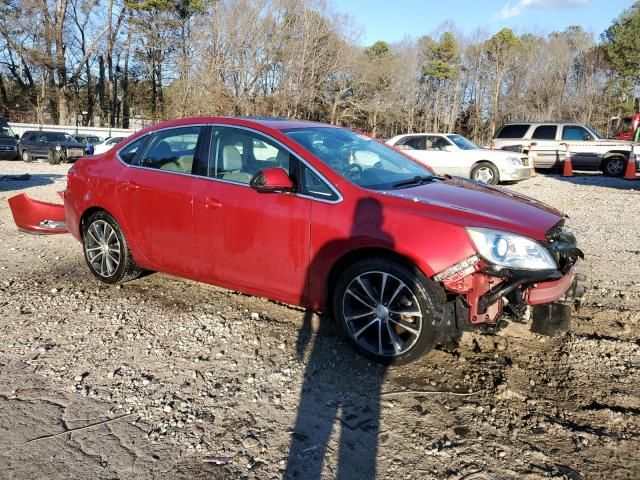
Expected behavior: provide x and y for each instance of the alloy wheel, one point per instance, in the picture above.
(615, 166)
(484, 175)
(103, 248)
(382, 313)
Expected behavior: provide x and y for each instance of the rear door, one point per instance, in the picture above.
(545, 150)
(155, 196)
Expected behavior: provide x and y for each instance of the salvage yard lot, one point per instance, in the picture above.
(166, 378)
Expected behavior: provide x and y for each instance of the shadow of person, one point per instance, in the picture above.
(341, 389)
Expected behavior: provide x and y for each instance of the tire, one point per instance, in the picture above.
(614, 166)
(53, 157)
(26, 156)
(485, 172)
(377, 331)
(118, 265)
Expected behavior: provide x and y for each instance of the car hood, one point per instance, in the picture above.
(472, 204)
(8, 141)
(70, 144)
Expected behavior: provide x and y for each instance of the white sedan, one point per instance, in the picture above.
(107, 145)
(455, 155)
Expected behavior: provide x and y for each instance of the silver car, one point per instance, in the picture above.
(589, 149)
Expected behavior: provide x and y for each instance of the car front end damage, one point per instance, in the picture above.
(483, 291)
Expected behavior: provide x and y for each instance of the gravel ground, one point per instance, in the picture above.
(166, 378)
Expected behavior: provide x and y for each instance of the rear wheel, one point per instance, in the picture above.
(106, 250)
(485, 172)
(614, 166)
(386, 310)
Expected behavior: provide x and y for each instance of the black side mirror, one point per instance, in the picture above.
(17, 137)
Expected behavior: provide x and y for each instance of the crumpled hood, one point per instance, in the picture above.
(472, 204)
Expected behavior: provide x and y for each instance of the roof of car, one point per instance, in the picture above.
(271, 122)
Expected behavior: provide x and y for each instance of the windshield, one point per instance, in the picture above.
(596, 133)
(6, 131)
(358, 158)
(462, 143)
(61, 137)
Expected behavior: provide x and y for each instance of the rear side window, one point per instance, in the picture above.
(128, 153)
(173, 150)
(545, 132)
(513, 131)
(412, 143)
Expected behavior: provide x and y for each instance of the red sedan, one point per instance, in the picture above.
(318, 216)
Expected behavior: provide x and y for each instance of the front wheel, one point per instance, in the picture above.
(106, 250)
(387, 310)
(485, 172)
(614, 166)
(26, 156)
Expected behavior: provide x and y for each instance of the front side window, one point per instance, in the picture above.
(436, 144)
(173, 150)
(545, 132)
(314, 186)
(358, 158)
(462, 143)
(576, 133)
(237, 154)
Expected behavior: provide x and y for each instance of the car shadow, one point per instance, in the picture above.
(597, 179)
(341, 389)
(15, 182)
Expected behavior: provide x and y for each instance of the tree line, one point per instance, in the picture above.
(101, 63)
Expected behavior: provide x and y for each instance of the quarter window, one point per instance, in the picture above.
(513, 131)
(172, 150)
(129, 152)
(315, 186)
(237, 155)
(545, 132)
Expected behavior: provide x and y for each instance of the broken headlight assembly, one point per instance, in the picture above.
(510, 250)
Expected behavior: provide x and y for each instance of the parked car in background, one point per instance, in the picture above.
(319, 216)
(89, 142)
(55, 146)
(8, 142)
(107, 144)
(589, 149)
(455, 155)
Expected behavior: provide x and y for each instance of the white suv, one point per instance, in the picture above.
(589, 150)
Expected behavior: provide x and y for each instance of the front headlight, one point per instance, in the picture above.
(510, 250)
(58, 148)
(515, 161)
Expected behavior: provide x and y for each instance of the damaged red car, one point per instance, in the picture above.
(322, 217)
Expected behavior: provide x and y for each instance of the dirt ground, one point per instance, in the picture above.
(166, 378)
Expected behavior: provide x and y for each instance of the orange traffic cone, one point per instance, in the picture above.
(630, 172)
(531, 162)
(567, 170)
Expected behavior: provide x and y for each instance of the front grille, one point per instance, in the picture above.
(7, 148)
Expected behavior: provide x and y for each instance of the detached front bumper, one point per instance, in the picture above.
(34, 216)
(515, 174)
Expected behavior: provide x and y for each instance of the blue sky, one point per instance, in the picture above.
(393, 20)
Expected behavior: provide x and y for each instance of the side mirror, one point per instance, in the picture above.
(17, 137)
(272, 180)
(588, 137)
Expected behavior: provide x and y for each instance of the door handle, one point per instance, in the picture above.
(212, 202)
(130, 185)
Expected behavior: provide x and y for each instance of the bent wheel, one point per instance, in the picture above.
(386, 310)
(106, 251)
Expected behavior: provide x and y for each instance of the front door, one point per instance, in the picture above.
(155, 196)
(254, 242)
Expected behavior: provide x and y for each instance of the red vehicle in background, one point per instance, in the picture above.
(318, 216)
(625, 128)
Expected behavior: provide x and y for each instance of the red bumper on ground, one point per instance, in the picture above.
(38, 217)
(548, 292)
